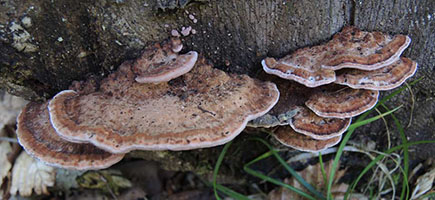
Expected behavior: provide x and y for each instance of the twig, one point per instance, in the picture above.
(386, 126)
(8, 139)
(412, 104)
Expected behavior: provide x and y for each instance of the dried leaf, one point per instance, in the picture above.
(29, 174)
(5, 148)
(10, 107)
(109, 181)
(424, 183)
(282, 193)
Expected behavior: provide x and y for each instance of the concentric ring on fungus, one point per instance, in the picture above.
(342, 103)
(319, 128)
(289, 137)
(386, 78)
(40, 140)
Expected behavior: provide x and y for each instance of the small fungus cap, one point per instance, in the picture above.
(161, 63)
(386, 78)
(342, 103)
(288, 137)
(310, 76)
(40, 140)
(203, 108)
(353, 48)
(320, 128)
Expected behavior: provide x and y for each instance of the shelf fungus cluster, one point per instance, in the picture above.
(161, 101)
(331, 83)
(165, 100)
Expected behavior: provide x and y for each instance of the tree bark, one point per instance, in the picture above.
(69, 41)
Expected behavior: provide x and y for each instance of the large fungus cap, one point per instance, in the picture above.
(203, 108)
(320, 128)
(342, 103)
(353, 48)
(386, 78)
(288, 137)
(40, 140)
(303, 73)
(161, 63)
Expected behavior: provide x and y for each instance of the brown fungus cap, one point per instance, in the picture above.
(288, 137)
(40, 140)
(320, 128)
(161, 63)
(353, 48)
(203, 108)
(342, 103)
(386, 78)
(309, 75)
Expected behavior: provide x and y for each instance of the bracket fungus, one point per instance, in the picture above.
(386, 78)
(203, 108)
(320, 128)
(351, 48)
(364, 61)
(161, 63)
(93, 125)
(40, 140)
(289, 137)
(297, 126)
(343, 103)
(310, 76)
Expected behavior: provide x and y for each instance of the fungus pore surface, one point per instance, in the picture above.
(203, 108)
(40, 140)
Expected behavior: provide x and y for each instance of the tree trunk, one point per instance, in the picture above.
(45, 45)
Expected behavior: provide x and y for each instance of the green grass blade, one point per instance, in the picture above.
(261, 157)
(277, 182)
(322, 168)
(378, 158)
(405, 186)
(231, 192)
(352, 129)
(272, 180)
(289, 169)
(216, 168)
(360, 122)
(368, 121)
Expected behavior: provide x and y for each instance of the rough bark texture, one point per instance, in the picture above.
(69, 41)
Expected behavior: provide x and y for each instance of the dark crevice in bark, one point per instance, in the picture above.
(352, 12)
